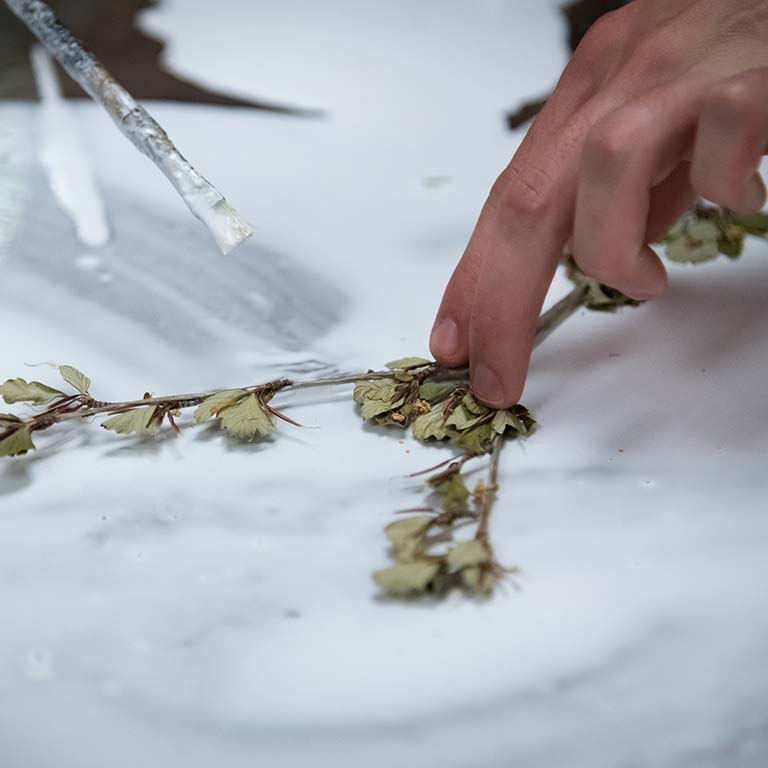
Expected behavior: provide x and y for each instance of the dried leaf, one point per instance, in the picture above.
(504, 419)
(17, 443)
(452, 491)
(75, 378)
(139, 421)
(598, 297)
(407, 528)
(430, 426)
(473, 406)
(8, 420)
(703, 231)
(433, 391)
(684, 251)
(407, 362)
(247, 419)
(477, 579)
(21, 391)
(215, 402)
(406, 578)
(731, 247)
(476, 440)
(756, 224)
(463, 419)
(467, 554)
(376, 397)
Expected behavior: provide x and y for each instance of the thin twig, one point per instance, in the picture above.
(489, 492)
(90, 407)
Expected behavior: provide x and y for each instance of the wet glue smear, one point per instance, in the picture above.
(226, 225)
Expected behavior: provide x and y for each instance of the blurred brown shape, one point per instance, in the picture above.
(107, 30)
(581, 15)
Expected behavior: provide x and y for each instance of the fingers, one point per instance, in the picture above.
(670, 199)
(625, 155)
(450, 339)
(524, 250)
(730, 142)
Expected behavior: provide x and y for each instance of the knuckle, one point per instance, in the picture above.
(611, 142)
(601, 35)
(528, 192)
(734, 98)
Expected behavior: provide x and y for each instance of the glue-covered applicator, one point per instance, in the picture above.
(226, 225)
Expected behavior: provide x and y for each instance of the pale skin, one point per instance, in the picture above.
(663, 102)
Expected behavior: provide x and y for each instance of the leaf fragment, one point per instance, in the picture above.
(75, 378)
(405, 363)
(507, 419)
(452, 491)
(376, 397)
(430, 425)
(407, 528)
(215, 402)
(433, 391)
(139, 421)
(406, 578)
(17, 443)
(247, 419)
(21, 391)
(467, 554)
(475, 440)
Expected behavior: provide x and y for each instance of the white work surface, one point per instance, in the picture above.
(192, 602)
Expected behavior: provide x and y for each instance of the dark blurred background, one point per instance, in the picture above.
(108, 30)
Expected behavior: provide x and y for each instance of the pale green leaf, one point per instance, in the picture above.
(504, 419)
(376, 397)
(432, 391)
(75, 378)
(378, 389)
(475, 440)
(463, 419)
(247, 419)
(684, 251)
(407, 529)
(467, 554)
(21, 391)
(215, 402)
(406, 578)
(430, 425)
(17, 443)
(452, 491)
(756, 224)
(477, 579)
(473, 406)
(407, 362)
(139, 421)
(372, 408)
(703, 231)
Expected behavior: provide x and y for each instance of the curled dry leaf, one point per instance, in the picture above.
(140, 421)
(406, 579)
(75, 378)
(248, 419)
(215, 402)
(405, 363)
(16, 443)
(21, 391)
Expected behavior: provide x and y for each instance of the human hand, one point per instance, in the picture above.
(663, 101)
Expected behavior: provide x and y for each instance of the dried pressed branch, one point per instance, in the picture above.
(434, 402)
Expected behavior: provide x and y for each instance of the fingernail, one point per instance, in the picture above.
(487, 385)
(445, 338)
(755, 198)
